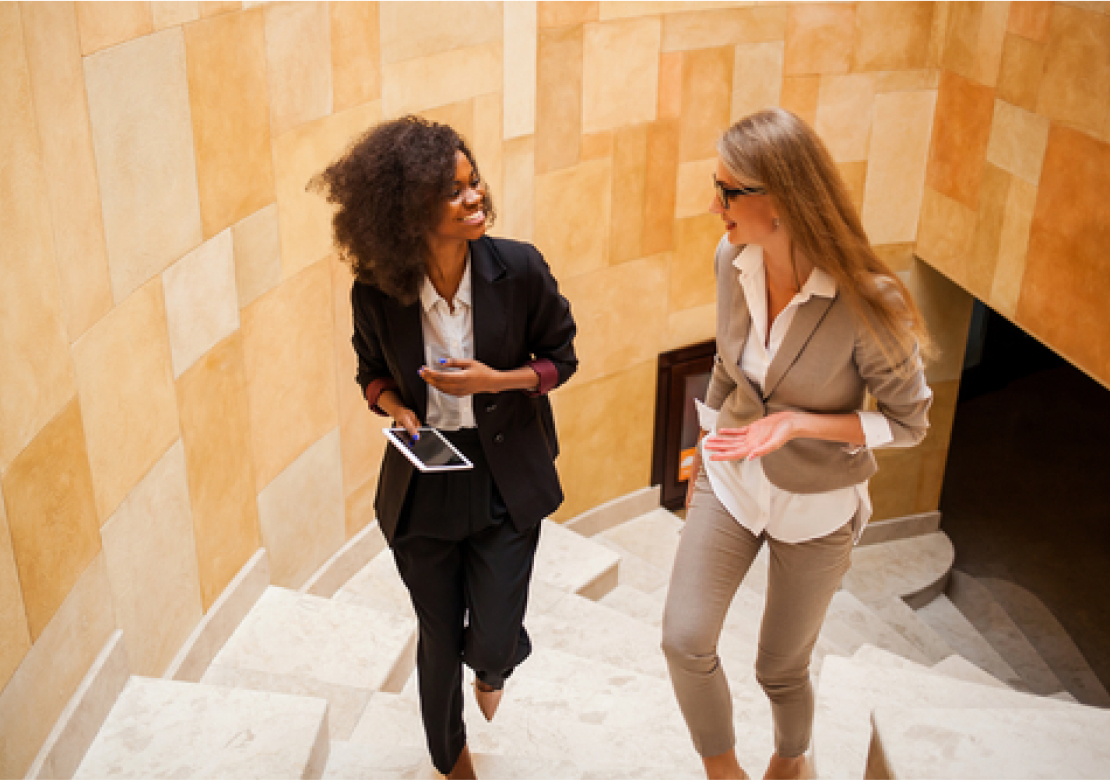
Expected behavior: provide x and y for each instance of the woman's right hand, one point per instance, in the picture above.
(390, 403)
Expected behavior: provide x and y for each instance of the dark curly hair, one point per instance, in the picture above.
(390, 188)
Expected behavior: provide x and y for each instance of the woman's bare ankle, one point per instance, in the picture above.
(779, 768)
(464, 767)
(724, 766)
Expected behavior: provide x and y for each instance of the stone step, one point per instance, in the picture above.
(913, 569)
(357, 761)
(944, 618)
(378, 586)
(991, 620)
(634, 571)
(903, 619)
(644, 607)
(1051, 639)
(601, 718)
(595, 631)
(165, 729)
(577, 625)
(850, 689)
(851, 624)
(652, 536)
(569, 561)
(959, 668)
(296, 643)
(953, 743)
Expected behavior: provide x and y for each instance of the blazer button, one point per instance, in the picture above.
(491, 407)
(499, 438)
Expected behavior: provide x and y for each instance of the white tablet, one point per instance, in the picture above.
(431, 452)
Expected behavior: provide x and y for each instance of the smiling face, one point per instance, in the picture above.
(748, 218)
(464, 211)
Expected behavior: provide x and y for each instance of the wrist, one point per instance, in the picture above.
(797, 423)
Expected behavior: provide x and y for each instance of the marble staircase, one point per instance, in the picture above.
(908, 685)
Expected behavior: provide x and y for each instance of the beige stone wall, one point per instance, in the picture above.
(174, 329)
(1015, 208)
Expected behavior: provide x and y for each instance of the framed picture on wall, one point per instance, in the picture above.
(682, 375)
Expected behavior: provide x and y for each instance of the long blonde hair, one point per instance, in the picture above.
(776, 150)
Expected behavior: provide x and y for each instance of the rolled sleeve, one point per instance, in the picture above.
(551, 329)
(374, 391)
(548, 374)
(876, 432)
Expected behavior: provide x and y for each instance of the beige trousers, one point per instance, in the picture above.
(714, 554)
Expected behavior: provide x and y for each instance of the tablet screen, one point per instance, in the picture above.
(431, 449)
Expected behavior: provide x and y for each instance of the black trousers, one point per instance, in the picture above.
(470, 595)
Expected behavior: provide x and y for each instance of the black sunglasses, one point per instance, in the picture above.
(724, 194)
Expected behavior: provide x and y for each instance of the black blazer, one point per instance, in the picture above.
(518, 316)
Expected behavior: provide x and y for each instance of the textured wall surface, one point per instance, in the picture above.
(175, 329)
(1014, 205)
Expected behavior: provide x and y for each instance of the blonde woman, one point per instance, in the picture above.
(809, 320)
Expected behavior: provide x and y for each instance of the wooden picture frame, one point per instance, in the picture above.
(682, 374)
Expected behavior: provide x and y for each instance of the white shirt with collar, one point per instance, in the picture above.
(448, 334)
(741, 486)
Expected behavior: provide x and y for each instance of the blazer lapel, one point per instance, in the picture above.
(407, 333)
(736, 333)
(806, 320)
(489, 304)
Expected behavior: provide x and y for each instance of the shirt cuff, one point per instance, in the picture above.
(549, 376)
(876, 431)
(374, 391)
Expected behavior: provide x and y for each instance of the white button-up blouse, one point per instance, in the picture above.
(741, 486)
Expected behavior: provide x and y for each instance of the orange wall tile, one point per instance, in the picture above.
(558, 98)
(1063, 294)
(107, 24)
(52, 515)
(961, 133)
(1077, 69)
(629, 184)
(1021, 71)
(215, 429)
(892, 36)
(564, 14)
(660, 183)
(819, 38)
(706, 84)
(226, 64)
(1030, 19)
(355, 53)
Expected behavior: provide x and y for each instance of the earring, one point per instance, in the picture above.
(775, 223)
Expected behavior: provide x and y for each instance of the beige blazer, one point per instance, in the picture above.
(827, 363)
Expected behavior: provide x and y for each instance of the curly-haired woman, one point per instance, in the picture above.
(467, 334)
(809, 320)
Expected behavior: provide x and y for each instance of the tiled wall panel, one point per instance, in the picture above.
(143, 136)
(13, 614)
(62, 111)
(215, 430)
(34, 360)
(125, 376)
(229, 100)
(51, 511)
(151, 556)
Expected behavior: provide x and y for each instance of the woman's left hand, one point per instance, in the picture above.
(461, 377)
(753, 441)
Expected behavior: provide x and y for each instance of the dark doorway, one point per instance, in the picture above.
(1027, 487)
